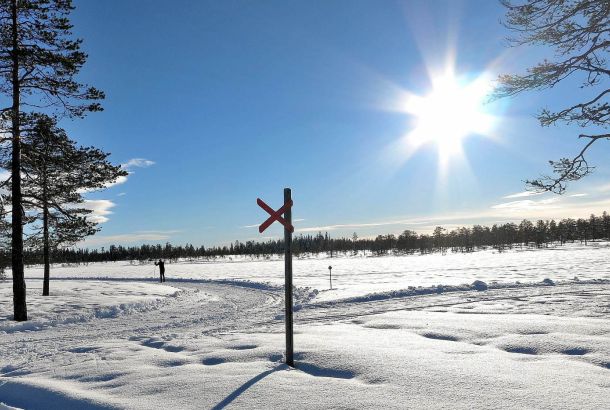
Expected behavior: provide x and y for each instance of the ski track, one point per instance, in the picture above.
(222, 310)
(206, 308)
(338, 311)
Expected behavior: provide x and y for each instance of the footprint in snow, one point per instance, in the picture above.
(173, 363)
(381, 326)
(158, 344)
(83, 350)
(576, 351)
(440, 336)
(213, 361)
(244, 347)
(521, 350)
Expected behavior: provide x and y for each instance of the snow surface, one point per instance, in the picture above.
(362, 275)
(78, 301)
(211, 341)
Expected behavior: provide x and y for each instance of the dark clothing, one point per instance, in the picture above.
(161, 265)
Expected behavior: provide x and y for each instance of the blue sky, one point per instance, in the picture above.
(211, 104)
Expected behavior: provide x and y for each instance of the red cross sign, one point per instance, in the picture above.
(275, 215)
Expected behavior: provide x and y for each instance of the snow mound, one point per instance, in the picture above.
(479, 285)
(548, 282)
(74, 301)
(439, 289)
(33, 394)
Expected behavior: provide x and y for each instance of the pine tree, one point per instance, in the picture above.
(606, 224)
(578, 33)
(38, 63)
(56, 173)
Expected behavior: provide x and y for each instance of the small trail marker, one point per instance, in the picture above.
(286, 210)
(330, 276)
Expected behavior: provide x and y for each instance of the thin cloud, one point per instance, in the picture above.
(120, 180)
(528, 204)
(134, 237)
(361, 225)
(100, 209)
(603, 188)
(257, 225)
(163, 232)
(523, 194)
(549, 208)
(137, 163)
(127, 166)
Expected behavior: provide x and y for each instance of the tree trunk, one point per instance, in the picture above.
(45, 222)
(45, 246)
(19, 301)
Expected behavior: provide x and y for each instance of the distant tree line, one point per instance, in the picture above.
(498, 236)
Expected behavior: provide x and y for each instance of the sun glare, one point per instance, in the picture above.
(452, 111)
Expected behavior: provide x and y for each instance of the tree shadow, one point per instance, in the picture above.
(227, 400)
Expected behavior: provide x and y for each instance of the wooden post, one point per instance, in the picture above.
(288, 275)
(330, 276)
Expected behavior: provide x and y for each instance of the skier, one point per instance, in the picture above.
(161, 265)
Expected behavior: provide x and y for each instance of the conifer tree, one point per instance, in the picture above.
(578, 34)
(38, 63)
(56, 173)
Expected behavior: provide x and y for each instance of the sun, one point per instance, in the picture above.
(452, 111)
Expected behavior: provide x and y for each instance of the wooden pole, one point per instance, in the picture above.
(330, 276)
(288, 274)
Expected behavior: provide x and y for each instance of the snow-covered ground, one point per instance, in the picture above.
(211, 342)
(363, 275)
(79, 301)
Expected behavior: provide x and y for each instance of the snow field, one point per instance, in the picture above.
(212, 336)
(433, 356)
(358, 276)
(74, 301)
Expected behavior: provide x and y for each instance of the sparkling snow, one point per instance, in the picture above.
(110, 337)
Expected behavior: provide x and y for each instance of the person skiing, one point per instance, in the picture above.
(161, 265)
